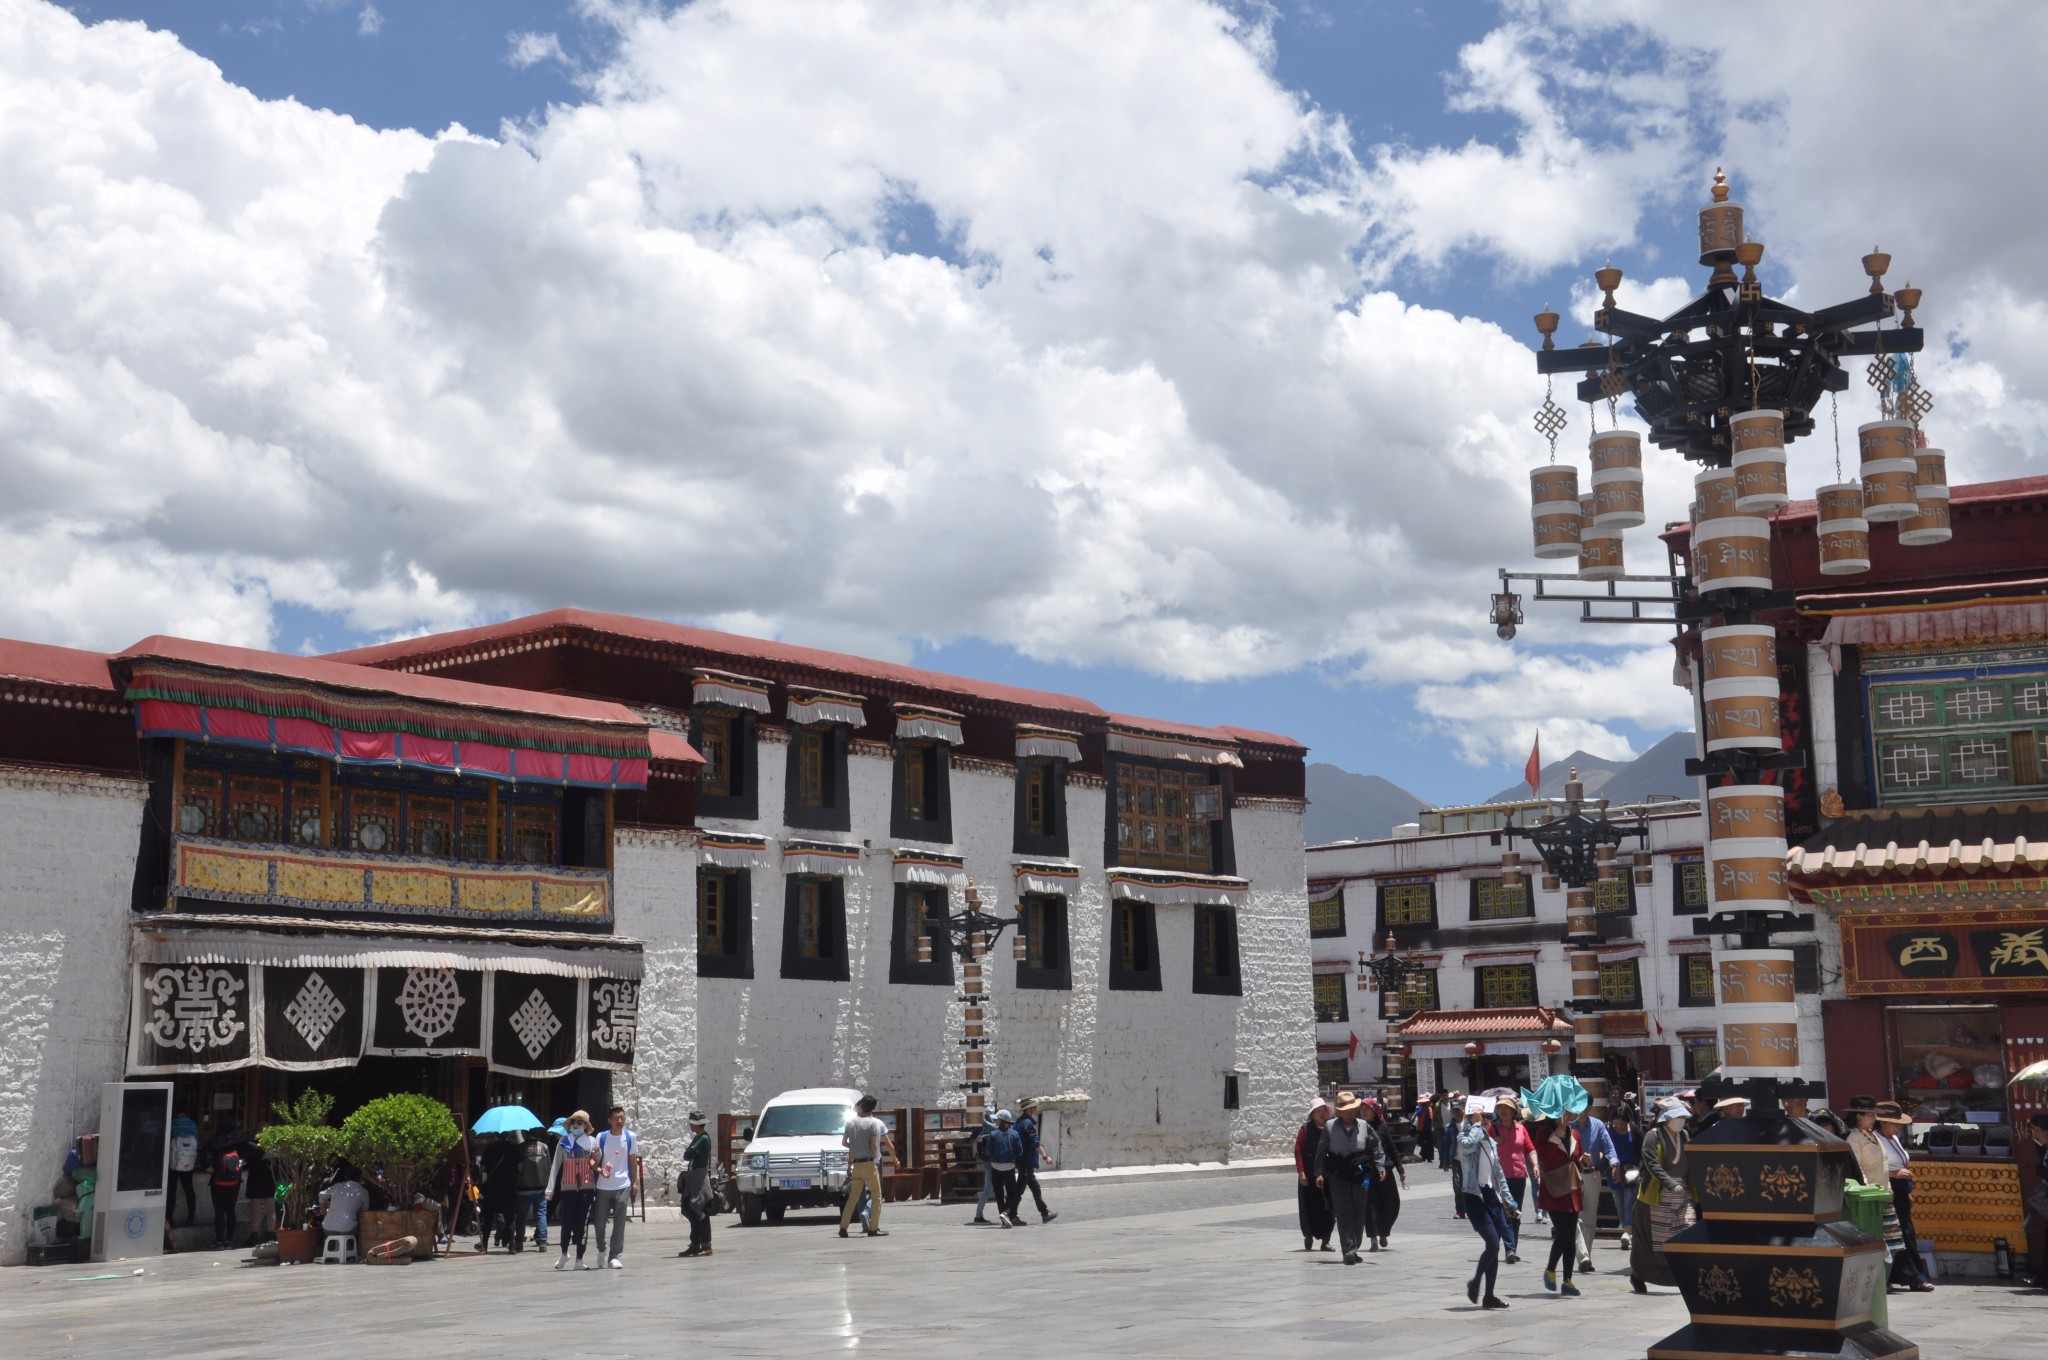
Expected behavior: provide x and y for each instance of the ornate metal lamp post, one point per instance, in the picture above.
(968, 935)
(1725, 381)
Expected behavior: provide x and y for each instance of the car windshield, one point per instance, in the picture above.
(802, 1121)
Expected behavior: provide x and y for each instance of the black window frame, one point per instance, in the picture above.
(1681, 869)
(1381, 927)
(1053, 842)
(1479, 1001)
(1528, 911)
(1222, 841)
(1330, 1071)
(735, 956)
(1326, 934)
(1391, 1006)
(1627, 880)
(904, 966)
(1635, 967)
(1145, 922)
(937, 759)
(1218, 968)
(743, 758)
(1342, 1012)
(1687, 994)
(834, 814)
(1051, 911)
(831, 925)
(1806, 979)
(1233, 1091)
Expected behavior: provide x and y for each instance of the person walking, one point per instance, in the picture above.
(1027, 1170)
(184, 1165)
(1872, 1168)
(1623, 1175)
(1447, 1150)
(1907, 1267)
(1663, 1202)
(2036, 1220)
(1599, 1144)
(867, 1143)
(499, 1203)
(1352, 1156)
(618, 1171)
(227, 1158)
(1512, 1142)
(1312, 1200)
(1425, 1127)
(572, 1185)
(1005, 1152)
(988, 1179)
(531, 1197)
(694, 1189)
(259, 1185)
(1383, 1200)
(1479, 1161)
(1562, 1164)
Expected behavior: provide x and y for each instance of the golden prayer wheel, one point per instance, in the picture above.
(1741, 714)
(1889, 471)
(1930, 488)
(1843, 532)
(1746, 812)
(1739, 651)
(1599, 546)
(1713, 495)
(1554, 510)
(1732, 553)
(1758, 438)
(1617, 458)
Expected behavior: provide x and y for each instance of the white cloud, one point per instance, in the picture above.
(369, 22)
(531, 49)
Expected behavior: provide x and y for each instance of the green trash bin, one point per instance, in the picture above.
(1864, 1206)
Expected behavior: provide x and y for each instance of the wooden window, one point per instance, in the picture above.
(1216, 966)
(1507, 985)
(308, 827)
(920, 787)
(1696, 979)
(1962, 735)
(921, 911)
(1332, 1072)
(1041, 818)
(1167, 818)
(1407, 905)
(1621, 982)
(1418, 993)
(430, 826)
(1042, 919)
(1037, 798)
(724, 923)
(1702, 1056)
(1331, 1006)
(922, 806)
(815, 794)
(1326, 915)
(373, 821)
(199, 803)
(1494, 900)
(255, 808)
(535, 831)
(811, 940)
(812, 756)
(1689, 887)
(1617, 896)
(476, 830)
(714, 743)
(1133, 947)
(814, 928)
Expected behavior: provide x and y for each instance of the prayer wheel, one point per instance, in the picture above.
(1741, 714)
(1618, 479)
(1930, 487)
(1746, 812)
(1713, 495)
(1554, 502)
(1599, 546)
(1747, 871)
(1739, 651)
(1759, 462)
(1732, 553)
(1843, 532)
(1889, 471)
(1759, 1013)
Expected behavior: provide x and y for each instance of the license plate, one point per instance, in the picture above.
(799, 1183)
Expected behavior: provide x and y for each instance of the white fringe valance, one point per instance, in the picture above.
(914, 722)
(728, 690)
(1057, 880)
(732, 850)
(285, 951)
(1047, 743)
(1163, 888)
(821, 857)
(922, 866)
(826, 706)
(1174, 748)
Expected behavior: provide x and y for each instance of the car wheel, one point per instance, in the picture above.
(750, 1211)
(776, 1209)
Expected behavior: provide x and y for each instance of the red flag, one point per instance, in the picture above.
(1533, 771)
(1353, 1054)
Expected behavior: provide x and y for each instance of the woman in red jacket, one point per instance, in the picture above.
(1561, 1164)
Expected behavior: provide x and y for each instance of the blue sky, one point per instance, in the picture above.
(1278, 368)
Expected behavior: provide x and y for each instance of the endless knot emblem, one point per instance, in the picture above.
(535, 1023)
(1722, 1182)
(315, 1011)
(1783, 1182)
(428, 1002)
(1796, 1288)
(194, 1007)
(1719, 1285)
(618, 1016)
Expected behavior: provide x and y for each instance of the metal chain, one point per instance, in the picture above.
(1835, 419)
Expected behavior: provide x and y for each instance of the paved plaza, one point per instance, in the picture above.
(1188, 1267)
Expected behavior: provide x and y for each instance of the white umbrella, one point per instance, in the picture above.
(2034, 1074)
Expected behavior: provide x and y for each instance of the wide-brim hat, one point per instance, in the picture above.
(1729, 1102)
(1888, 1112)
(697, 1117)
(583, 1115)
(1318, 1104)
(1347, 1101)
(1861, 1104)
(1668, 1110)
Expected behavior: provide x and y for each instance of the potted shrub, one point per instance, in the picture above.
(406, 1137)
(299, 1144)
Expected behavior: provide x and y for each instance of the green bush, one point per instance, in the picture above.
(299, 1145)
(407, 1136)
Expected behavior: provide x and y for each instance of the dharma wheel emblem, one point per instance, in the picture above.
(428, 1002)
(1719, 1285)
(1722, 1181)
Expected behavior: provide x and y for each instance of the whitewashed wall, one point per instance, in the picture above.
(67, 863)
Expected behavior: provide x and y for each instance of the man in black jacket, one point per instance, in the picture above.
(1027, 1170)
(1353, 1156)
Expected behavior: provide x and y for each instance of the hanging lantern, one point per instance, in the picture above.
(1554, 508)
(1474, 1049)
(1889, 471)
(1599, 546)
(1843, 531)
(1930, 489)
(1618, 479)
(1759, 462)
(1552, 1047)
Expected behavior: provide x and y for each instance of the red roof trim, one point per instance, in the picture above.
(40, 663)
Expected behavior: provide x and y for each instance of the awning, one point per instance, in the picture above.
(723, 689)
(1201, 751)
(731, 849)
(1046, 876)
(1165, 888)
(1330, 966)
(825, 706)
(1975, 621)
(1052, 743)
(1502, 1022)
(926, 866)
(916, 722)
(1931, 841)
(821, 857)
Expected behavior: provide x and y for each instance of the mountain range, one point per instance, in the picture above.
(1345, 806)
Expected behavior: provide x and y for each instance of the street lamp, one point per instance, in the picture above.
(1389, 971)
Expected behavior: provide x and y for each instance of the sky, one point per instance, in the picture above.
(1172, 353)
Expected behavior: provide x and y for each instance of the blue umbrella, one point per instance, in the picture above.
(506, 1119)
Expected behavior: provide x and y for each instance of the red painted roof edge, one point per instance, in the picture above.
(46, 664)
(368, 679)
(663, 744)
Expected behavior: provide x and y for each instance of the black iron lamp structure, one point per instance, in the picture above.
(968, 935)
(1771, 1269)
(1579, 849)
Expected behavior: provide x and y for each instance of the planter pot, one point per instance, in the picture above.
(297, 1246)
(378, 1226)
(423, 1223)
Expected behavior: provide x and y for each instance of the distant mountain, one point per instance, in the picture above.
(1659, 770)
(1343, 806)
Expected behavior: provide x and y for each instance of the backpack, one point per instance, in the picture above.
(227, 1168)
(185, 1152)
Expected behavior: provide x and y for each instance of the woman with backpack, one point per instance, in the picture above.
(226, 1160)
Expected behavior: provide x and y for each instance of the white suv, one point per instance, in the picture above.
(795, 1158)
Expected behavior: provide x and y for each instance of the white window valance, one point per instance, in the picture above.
(821, 857)
(1045, 743)
(1500, 958)
(1977, 621)
(825, 706)
(1162, 747)
(925, 866)
(1164, 888)
(731, 849)
(1330, 966)
(1039, 876)
(727, 690)
(916, 722)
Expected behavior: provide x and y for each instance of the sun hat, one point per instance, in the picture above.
(1668, 1110)
(582, 1116)
(696, 1116)
(1861, 1104)
(1005, 1117)
(1726, 1102)
(1347, 1101)
(1317, 1104)
(1888, 1112)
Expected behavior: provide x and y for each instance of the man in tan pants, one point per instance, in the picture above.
(867, 1142)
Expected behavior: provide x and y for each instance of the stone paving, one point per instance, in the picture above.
(1191, 1267)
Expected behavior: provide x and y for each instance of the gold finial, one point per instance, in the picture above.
(1908, 298)
(1546, 322)
(1874, 264)
(1575, 769)
(1608, 280)
(1720, 186)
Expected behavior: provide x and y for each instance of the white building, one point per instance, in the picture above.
(706, 884)
(1494, 969)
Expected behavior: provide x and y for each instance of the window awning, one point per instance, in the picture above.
(915, 722)
(1049, 877)
(1042, 743)
(1161, 746)
(724, 689)
(825, 706)
(821, 857)
(1973, 621)
(927, 866)
(1166, 888)
(731, 849)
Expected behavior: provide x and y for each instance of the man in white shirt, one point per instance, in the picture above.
(616, 1147)
(867, 1142)
(344, 1201)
